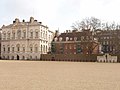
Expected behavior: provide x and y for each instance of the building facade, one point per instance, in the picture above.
(109, 40)
(25, 40)
(74, 42)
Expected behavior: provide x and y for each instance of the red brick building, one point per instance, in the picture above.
(74, 42)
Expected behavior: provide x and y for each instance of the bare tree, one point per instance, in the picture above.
(105, 26)
(110, 26)
(87, 23)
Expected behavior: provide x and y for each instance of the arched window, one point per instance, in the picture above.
(60, 39)
(4, 36)
(3, 48)
(31, 33)
(8, 48)
(23, 57)
(12, 58)
(54, 39)
(18, 47)
(19, 34)
(36, 34)
(8, 36)
(23, 48)
(8, 57)
(41, 34)
(12, 48)
(36, 48)
(75, 38)
(36, 57)
(30, 57)
(3, 57)
(13, 35)
(67, 38)
(31, 48)
(24, 34)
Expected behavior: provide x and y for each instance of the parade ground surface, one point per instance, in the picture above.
(50, 75)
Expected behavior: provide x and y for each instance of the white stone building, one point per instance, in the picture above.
(106, 58)
(25, 40)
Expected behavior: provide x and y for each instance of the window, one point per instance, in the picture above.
(74, 52)
(107, 42)
(36, 34)
(66, 46)
(41, 48)
(18, 47)
(13, 35)
(36, 57)
(70, 47)
(24, 34)
(82, 37)
(104, 42)
(31, 34)
(8, 57)
(23, 49)
(75, 38)
(49, 38)
(104, 37)
(60, 39)
(70, 38)
(74, 46)
(31, 49)
(46, 48)
(30, 57)
(19, 34)
(36, 48)
(55, 39)
(46, 36)
(12, 49)
(12, 57)
(8, 36)
(4, 49)
(8, 49)
(4, 36)
(23, 57)
(41, 33)
(87, 37)
(67, 38)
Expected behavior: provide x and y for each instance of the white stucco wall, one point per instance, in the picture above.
(107, 58)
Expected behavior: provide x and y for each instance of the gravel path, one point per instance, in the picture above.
(39, 75)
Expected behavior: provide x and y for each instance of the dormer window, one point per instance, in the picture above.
(82, 37)
(67, 38)
(75, 38)
(55, 39)
(70, 38)
(60, 39)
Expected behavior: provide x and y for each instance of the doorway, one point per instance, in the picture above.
(17, 57)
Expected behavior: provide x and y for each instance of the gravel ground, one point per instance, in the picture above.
(39, 75)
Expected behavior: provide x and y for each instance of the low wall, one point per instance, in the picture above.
(73, 57)
(69, 57)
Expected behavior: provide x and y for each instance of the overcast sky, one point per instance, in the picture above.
(58, 13)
